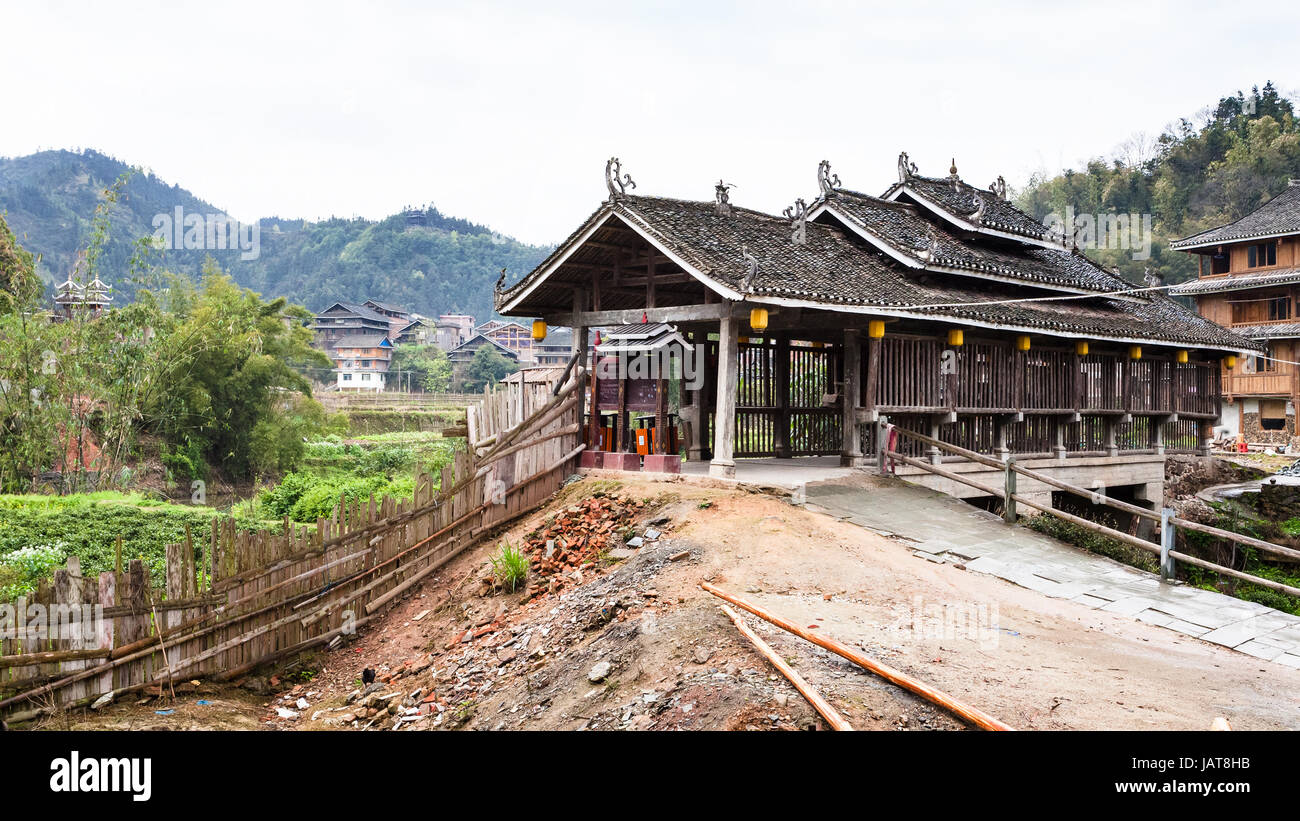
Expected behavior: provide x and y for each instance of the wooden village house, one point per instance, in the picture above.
(936, 307)
(1249, 281)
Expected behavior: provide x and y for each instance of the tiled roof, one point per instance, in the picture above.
(900, 226)
(473, 342)
(1280, 215)
(359, 310)
(386, 307)
(959, 201)
(641, 337)
(1280, 330)
(750, 255)
(360, 341)
(1211, 285)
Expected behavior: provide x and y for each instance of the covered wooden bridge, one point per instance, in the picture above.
(937, 306)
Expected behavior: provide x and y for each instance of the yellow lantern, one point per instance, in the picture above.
(876, 328)
(1081, 347)
(1022, 342)
(1181, 357)
(758, 319)
(539, 329)
(1230, 361)
(955, 337)
(1135, 352)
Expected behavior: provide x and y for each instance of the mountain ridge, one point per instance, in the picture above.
(421, 258)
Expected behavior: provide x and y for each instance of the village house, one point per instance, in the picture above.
(453, 330)
(1249, 280)
(937, 307)
(513, 336)
(361, 362)
(344, 319)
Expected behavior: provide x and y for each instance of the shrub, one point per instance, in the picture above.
(185, 462)
(510, 567)
(279, 500)
(22, 570)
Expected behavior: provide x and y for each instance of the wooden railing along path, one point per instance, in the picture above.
(1168, 522)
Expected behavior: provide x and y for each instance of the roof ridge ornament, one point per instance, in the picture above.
(952, 176)
(798, 216)
(613, 168)
(826, 181)
(906, 168)
(722, 199)
(1151, 279)
(977, 216)
(931, 251)
(999, 187)
(752, 273)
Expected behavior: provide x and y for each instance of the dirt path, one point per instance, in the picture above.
(452, 658)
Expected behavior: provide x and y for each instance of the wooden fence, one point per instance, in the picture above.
(232, 600)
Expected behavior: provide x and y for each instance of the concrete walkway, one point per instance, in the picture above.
(786, 473)
(943, 529)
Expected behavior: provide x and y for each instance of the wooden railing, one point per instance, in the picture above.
(1278, 383)
(889, 452)
(234, 600)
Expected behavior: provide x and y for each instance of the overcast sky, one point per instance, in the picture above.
(504, 113)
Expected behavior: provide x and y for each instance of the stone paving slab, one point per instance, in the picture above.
(939, 528)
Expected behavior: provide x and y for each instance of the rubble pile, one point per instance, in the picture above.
(582, 534)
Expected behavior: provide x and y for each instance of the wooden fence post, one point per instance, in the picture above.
(1167, 533)
(1009, 488)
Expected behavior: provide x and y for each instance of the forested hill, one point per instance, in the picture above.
(1205, 170)
(446, 265)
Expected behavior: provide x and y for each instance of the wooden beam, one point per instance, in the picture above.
(851, 393)
(631, 316)
(805, 689)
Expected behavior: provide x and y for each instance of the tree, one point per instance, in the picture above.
(423, 367)
(487, 367)
(19, 284)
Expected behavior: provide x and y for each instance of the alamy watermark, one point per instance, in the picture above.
(684, 362)
(207, 232)
(1122, 232)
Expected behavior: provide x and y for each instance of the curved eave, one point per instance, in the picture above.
(911, 260)
(893, 312)
(1192, 242)
(510, 300)
(966, 225)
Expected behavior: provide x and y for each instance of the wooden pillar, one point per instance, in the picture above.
(873, 374)
(1080, 382)
(1111, 446)
(697, 418)
(1158, 433)
(659, 439)
(781, 390)
(935, 455)
(580, 348)
(1058, 447)
(593, 413)
(724, 423)
(1018, 368)
(851, 450)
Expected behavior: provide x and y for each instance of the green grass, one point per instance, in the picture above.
(510, 567)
